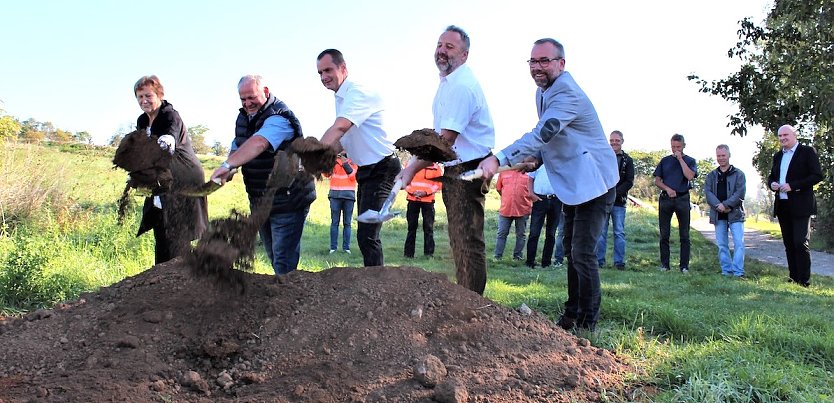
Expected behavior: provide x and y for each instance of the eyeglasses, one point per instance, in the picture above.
(544, 62)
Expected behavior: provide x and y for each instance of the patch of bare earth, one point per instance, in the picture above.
(377, 334)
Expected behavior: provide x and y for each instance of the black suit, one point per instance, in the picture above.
(795, 212)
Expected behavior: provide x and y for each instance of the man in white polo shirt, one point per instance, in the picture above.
(359, 129)
(461, 116)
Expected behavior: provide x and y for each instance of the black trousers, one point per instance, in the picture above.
(412, 216)
(546, 213)
(796, 235)
(375, 182)
(678, 206)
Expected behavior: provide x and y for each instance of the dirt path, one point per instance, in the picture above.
(765, 248)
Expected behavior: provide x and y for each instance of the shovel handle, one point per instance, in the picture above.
(479, 173)
(391, 196)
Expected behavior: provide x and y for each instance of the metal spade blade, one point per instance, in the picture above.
(384, 214)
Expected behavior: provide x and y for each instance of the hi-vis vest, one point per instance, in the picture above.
(423, 181)
(341, 180)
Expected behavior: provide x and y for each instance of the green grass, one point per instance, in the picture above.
(693, 338)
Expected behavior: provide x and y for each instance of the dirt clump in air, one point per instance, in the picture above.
(375, 334)
(316, 157)
(427, 145)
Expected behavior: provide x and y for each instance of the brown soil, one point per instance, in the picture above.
(148, 164)
(377, 334)
(427, 145)
(316, 157)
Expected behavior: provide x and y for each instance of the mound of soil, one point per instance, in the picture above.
(427, 145)
(378, 334)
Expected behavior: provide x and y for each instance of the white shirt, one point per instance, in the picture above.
(787, 156)
(541, 183)
(459, 105)
(366, 142)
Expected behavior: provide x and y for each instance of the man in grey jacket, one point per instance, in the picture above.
(724, 189)
(580, 164)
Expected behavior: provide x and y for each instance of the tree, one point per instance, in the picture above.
(787, 77)
(198, 139)
(9, 127)
(219, 149)
(83, 137)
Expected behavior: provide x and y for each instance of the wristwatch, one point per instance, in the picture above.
(226, 165)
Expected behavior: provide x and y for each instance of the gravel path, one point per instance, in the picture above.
(763, 247)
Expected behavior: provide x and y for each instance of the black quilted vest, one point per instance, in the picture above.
(302, 191)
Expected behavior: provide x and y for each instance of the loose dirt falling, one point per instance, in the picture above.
(427, 145)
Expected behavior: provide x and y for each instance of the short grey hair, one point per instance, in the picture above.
(463, 35)
(553, 42)
(259, 80)
(723, 147)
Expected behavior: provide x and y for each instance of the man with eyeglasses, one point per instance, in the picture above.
(462, 118)
(571, 144)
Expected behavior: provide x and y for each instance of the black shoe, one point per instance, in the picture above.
(566, 323)
(620, 266)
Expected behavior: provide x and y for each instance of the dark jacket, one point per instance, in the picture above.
(803, 173)
(736, 189)
(302, 191)
(625, 165)
(184, 218)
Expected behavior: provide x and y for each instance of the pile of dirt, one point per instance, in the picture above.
(378, 334)
(427, 145)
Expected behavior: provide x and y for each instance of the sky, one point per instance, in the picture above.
(74, 63)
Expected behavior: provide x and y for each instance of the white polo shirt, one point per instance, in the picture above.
(460, 106)
(366, 142)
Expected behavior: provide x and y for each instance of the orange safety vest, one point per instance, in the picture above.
(341, 180)
(423, 181)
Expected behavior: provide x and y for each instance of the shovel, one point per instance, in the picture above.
(479, 173)
(206, 188)
(384, 214)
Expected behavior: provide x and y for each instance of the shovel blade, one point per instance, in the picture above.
(202, 190)
(376, 217)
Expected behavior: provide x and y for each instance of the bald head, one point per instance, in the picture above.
(787, 137)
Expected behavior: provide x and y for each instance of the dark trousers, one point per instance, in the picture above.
(583, 226)
(678, 206)
(796, 235)
(374, 182)
(547, 211)
(162, 250)
(464, 201)
(412, 215)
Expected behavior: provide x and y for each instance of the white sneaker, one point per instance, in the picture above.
(347, 251)
(332, 251)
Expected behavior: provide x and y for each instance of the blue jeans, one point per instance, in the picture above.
(504, 230)
(281, 235)
(546, 213)
(618, 214)
(583, 225)
(559, 254)
(734, 266)
(340, 208)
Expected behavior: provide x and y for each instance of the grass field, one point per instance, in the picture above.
(695, 338)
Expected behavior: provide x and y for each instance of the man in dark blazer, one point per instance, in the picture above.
(795, 171)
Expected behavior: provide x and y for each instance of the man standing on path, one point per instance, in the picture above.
(724, 189)
(795, 171)
(264, 128)
(359, 130)
(625, 165)
(570, 142)
(462, 118)
(547, 210)
(673, 175)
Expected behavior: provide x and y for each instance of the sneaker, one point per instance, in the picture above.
(558, 264)
(332, 251)
(684, 270)
(566, 323)
(347, 251)
(620, 266)
(664, 268)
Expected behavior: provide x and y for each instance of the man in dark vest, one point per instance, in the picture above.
(264, 127)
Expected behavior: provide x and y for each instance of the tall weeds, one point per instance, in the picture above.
(29, 185)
